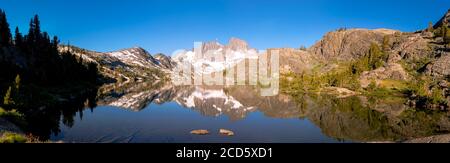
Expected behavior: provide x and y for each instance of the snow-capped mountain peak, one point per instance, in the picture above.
(235, 52)
(211, 46)
(135, 56)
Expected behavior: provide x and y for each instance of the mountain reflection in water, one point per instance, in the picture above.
(147, 112)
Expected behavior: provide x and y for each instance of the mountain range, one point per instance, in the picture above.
(405, 51)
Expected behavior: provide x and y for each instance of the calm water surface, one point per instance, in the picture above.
(172, 123)
(143, 113)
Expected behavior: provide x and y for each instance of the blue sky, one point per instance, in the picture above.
(169, 25)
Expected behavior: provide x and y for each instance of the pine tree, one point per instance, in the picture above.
(376, 56)
(17, 82)
(44, 63)
(386, 45)
(34, 32)
(35, 29)
(2, 29)
(430, 27)
(5, 32)
(55, 43)
(30, 36)
(443, 31)
(37, 25)
(446, 35)
(438, 32)
(7, 100)
(18, 38)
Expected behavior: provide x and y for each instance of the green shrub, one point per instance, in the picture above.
(372, 86)
(7, 99)
(430, 27)
(438, 32)
(9, 137)
(376, 57)
(437, 96)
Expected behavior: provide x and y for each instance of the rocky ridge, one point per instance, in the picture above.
(126, 65)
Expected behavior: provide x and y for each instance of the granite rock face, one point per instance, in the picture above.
(440, 67)
(294, 60)
(410, 47)
(392, 71)
(165, 62)
(348, 44)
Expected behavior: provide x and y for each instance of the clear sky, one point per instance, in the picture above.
(168, 25)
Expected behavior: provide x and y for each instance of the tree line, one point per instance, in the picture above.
(36, 57)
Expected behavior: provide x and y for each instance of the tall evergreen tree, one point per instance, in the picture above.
(430, 27)
(443, 31)
(386, 43)
(45, 65)
(17, 82)
(18, 39)
(5, 32)
(376, 56)
(34, 32)
(37, 25)
(446, 34)
(55, 43)
(30, 36)
(7, 100)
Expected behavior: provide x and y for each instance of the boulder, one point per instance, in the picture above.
(392, 71)
(440, 67)
(226, 132)
(200, 132)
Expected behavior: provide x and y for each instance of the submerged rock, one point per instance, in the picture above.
(200, 132)
(226, 132)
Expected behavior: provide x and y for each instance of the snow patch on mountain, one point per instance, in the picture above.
(204, 95)
(216, 57)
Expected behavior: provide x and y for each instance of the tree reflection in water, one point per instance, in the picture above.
(44, 121)
(357, 118)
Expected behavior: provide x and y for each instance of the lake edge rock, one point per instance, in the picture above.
(226, 132)
(200, 132)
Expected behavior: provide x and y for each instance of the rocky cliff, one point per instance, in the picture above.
(347, 44)
(127, 64)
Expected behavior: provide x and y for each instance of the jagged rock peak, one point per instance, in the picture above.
(165, 61)
(237, 44)
(161, 55)
(234, 44)
(135, 49)
(138, 52)
(212, 45)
